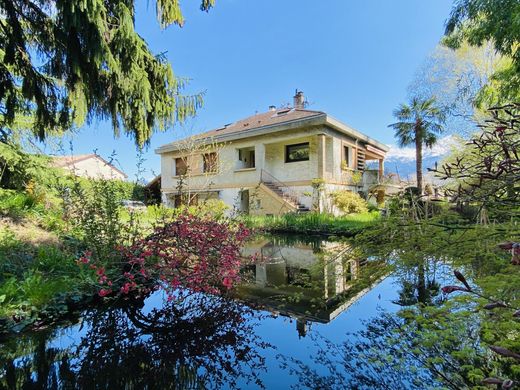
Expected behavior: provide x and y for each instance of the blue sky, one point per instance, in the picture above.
(352, 59)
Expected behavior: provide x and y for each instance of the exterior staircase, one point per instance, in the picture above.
(279, 189)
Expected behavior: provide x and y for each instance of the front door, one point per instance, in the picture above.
(244, 201)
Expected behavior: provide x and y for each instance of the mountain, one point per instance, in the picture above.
(406, 168)
(401, 160)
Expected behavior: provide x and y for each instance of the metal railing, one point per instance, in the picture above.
(287, 193)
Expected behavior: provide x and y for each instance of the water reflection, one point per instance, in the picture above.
(309, 280)
(196, 341)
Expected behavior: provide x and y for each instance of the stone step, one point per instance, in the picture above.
(278, 191)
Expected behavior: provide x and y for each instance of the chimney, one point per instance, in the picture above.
(272, 108)
(299, 100)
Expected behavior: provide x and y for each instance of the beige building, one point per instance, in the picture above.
(90, 166)
(282, 160)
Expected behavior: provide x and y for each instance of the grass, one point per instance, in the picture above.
(19, 206)
(313, 223)
(38, 276)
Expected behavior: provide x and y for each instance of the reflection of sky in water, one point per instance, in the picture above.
(281, 331)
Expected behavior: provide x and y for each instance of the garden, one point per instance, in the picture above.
(412, 288)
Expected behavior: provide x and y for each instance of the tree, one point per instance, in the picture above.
(66, 62)
(456, 78)
(486, 171)
(480, 21)
(418, 123)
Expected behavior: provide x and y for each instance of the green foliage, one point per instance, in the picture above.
(447, 338)
(313, 223)
(212, 208)
(418, 124)
(18, 168)
(16, 204)
(96, 65)
(32, 277)
(456, 78)
(318, 183)
(484, 172)
(349, 202)
(480, 21)
(356, 178)
(93, 214)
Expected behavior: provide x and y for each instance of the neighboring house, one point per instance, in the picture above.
(90, 166)
(282, 160)
(152, 191)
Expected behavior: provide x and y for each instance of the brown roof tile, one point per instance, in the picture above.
(268, 118)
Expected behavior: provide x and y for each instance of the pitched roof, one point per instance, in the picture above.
(70, 161)
(272, 117)
(65, 161)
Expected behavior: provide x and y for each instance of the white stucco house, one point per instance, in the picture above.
(283, 160)
(90, 166)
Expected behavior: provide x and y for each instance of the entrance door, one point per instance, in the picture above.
(244, 201)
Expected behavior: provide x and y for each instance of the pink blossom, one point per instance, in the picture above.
(104, 292)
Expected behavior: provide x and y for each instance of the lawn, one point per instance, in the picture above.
(347, 225)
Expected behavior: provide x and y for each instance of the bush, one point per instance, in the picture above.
(349, 202)
(16, 204)
(211, 208)
(31, 277)
(94, 214)
(191, 252)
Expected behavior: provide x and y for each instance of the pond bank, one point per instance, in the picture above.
(313, 223)
(305, 288)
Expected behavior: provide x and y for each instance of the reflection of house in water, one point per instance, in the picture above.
(310, 281)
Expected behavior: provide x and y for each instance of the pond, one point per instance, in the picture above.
(299, 294)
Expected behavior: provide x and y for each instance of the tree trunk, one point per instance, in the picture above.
(418, 161)
(422, 291)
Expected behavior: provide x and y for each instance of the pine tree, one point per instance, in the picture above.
(64, 62)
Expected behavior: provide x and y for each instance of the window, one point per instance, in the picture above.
(246, 157)
(297, 152)
(181, 168)
(346, 156)
(210, 162)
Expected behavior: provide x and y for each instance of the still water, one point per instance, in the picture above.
(299, 292)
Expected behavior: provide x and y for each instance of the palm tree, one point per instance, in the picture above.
(418, 123)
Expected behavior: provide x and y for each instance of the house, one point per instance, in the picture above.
(152, 191)
(89, 166)
(283, 160)
(310, 281)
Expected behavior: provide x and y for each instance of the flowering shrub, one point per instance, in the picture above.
(190, 252)
(349, 202)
